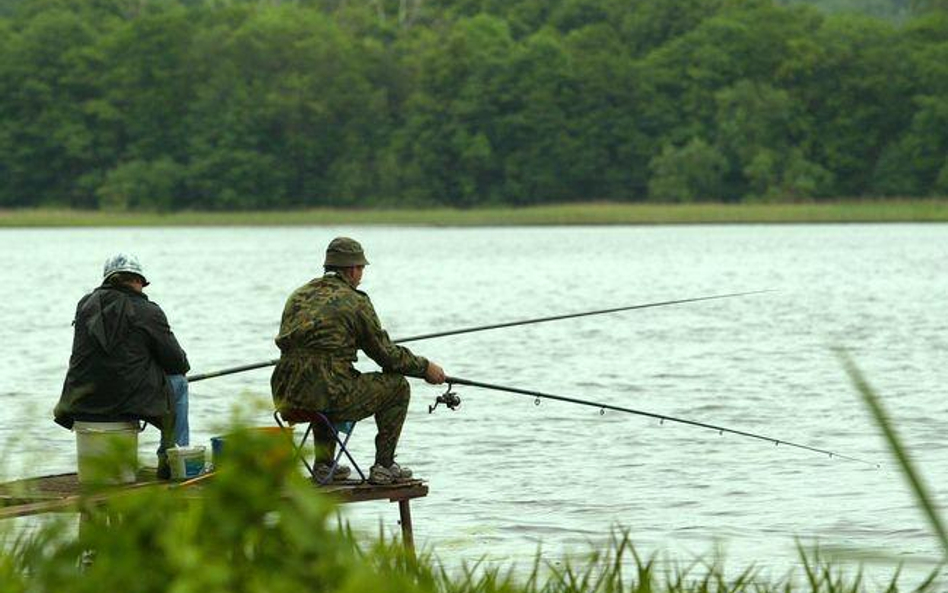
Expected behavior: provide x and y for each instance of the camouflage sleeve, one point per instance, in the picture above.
(374, 341)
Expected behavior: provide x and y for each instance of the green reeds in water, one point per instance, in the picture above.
(258, 526)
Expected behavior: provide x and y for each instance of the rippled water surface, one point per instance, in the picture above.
(506, 475)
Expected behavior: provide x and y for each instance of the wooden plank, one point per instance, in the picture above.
(62, 493)
(38, 508)
(9, 499)
(385, 493)
(43, 487)
(71, 503)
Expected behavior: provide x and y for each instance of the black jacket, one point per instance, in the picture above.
(121, 351)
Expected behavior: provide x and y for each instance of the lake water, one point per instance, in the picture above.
(508, 477)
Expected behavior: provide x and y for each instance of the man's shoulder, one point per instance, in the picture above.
(346, 299)
(143, 306)
(314, 289)
(327, 291)
(346, 293)
(114, 293)
(104, 296)
(339, 288)
(85, 299)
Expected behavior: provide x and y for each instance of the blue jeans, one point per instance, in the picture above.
(174, 427)
(181, 433)
(179, 389)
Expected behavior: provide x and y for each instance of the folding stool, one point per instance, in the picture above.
(291, 417)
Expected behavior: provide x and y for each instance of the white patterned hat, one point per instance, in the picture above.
(123, 262)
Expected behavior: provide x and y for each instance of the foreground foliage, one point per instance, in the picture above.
(245, 104)
(259, 527)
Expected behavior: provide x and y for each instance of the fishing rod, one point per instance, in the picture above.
(467, 330)
(452, 401)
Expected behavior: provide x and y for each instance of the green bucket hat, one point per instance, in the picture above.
(344, 252)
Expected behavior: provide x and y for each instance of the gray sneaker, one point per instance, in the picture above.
(321, 472)
(388, 475)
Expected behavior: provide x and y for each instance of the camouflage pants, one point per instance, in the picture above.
(382, 395)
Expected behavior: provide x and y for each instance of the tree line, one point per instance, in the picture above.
(216, 105)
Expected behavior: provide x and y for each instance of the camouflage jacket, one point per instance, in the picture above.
(324, 323)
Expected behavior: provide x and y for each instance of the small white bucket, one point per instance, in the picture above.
(106, 452)
(186, 462)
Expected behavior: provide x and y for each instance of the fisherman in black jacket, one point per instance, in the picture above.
(126, 363)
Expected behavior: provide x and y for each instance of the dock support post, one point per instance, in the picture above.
(408, 537)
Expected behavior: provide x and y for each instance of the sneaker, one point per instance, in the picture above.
(392, 474)
(321, 472)
(403, 472)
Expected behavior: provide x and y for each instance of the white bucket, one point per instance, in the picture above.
(106, 452)
(186, 462)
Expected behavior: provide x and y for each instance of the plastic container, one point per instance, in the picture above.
(186, 462)
(106, 452)
(217, 448)
(272, 443)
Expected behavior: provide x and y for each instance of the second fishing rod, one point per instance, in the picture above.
(480, 328)
(452, 401)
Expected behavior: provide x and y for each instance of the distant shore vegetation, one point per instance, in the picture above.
(222, 105)
(554, 214)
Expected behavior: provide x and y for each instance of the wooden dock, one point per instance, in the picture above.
(63, 493)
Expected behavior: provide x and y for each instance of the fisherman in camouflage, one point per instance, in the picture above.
(324, 323)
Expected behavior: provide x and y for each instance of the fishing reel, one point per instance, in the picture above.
(448, 398)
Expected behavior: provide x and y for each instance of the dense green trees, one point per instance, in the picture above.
(216, 104)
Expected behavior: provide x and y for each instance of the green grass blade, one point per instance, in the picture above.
(901, 454)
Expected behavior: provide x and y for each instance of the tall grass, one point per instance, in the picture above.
(258, 526)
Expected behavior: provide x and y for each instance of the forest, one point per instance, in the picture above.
(167, 105)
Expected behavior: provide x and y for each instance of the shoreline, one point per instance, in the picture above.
(594, 213)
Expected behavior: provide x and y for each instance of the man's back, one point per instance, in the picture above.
(122, 350)
(323, 316)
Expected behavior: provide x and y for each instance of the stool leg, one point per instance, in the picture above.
(302, 453)
(344, 449)
(342, 443)
(335, 460)
(297, 449)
